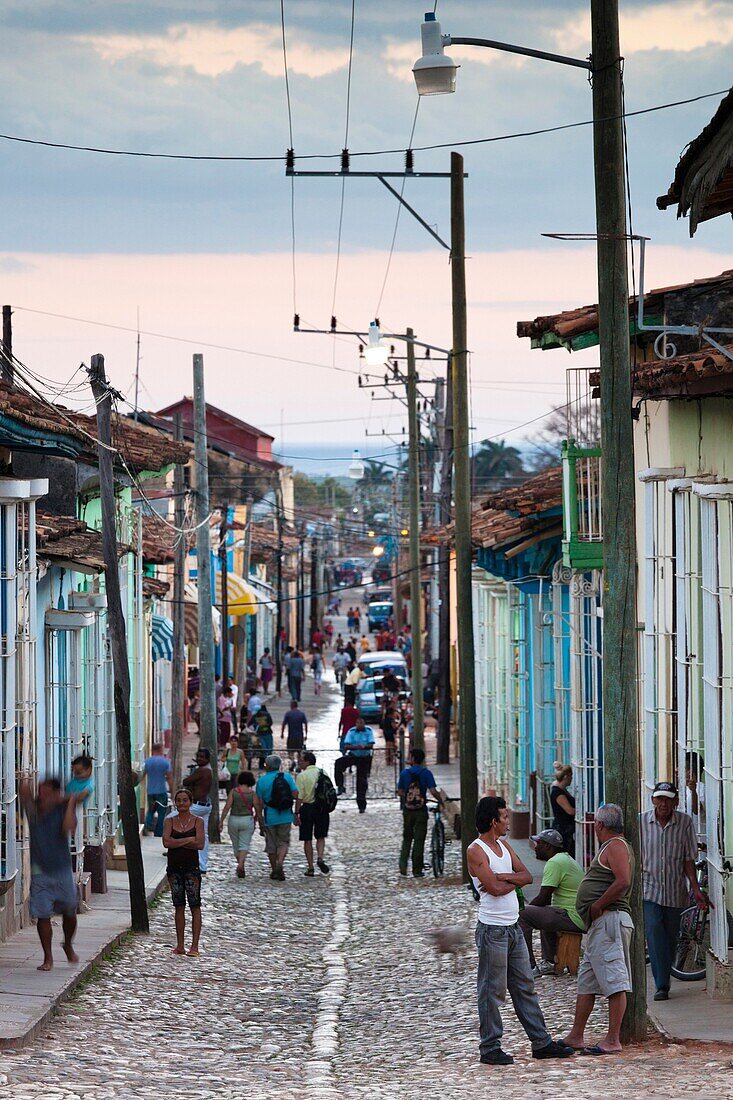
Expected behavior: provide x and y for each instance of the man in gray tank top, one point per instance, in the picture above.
(503, 959)
(603, 905)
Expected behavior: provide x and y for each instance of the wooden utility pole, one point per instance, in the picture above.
(224, 570)
(178, 664)
(446, 492)
(203, 567)
(621, 760)
(314, 589)
(241, 675)
(462, 494)
(418, 725)
(397, 564)
(6, 359)
(118, 643)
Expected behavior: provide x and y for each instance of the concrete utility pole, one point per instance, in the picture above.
(462, 494)
(178, 664)
(444, 655)
(203, 567)
(279, 575)
(621, 761)
(418, 734)
(118, 643)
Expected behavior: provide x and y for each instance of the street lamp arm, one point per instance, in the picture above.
(560, 59)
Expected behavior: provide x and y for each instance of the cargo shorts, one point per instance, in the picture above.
(606, 965)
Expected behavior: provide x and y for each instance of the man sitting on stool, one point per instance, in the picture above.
(553, 910)
(358, 746)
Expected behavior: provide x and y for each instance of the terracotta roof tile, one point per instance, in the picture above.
(703, 180)
(705, 372)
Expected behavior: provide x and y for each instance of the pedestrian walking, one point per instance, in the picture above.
(261, 725)
(233, 759)
(51, 821)
(413, 786)
(296, 672)
(340, 665)
(184, 840)
(240, 809)
(296, 724)
(317, 670)
(225, 713)
(604, 907)
(668, 854)
(313, 786)
(157, 770)
(275, 793)
(358, 747)
(503, 962)
(198, 784)
(553, 909)
(266, 670)
(563, 806)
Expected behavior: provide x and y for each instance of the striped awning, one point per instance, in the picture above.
(162, 639)
(241, 597)
(191, 616)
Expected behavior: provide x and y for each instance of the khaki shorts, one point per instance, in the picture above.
(606, 965)
(276, 836)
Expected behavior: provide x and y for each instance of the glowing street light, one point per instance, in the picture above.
(376, 351)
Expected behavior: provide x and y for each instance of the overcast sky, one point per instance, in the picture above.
(204, 249)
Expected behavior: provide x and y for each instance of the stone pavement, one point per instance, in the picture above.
(322, 988)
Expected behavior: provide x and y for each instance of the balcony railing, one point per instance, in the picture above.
(582, 546)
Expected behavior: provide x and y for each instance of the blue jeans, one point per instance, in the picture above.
(503, 964)
(662, 923)
(157, 804)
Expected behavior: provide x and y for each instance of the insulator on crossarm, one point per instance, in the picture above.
(296, 321)
(333, 324)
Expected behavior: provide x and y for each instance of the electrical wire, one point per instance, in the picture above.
(363, 153)
(290, 134)
(345, 147)
(397, 216)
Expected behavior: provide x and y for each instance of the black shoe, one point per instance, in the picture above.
(403, 872)
(418, 874)
(323, 866)
(362, 809)
(497, 1057)
(554, 1050)
(309, 872)
(341, 790)
(661, 995)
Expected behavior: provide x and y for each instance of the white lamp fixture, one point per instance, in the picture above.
(435, 74)
(356, 467)
(376, 352)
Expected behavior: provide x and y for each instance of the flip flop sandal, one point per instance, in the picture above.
(596, 1051)
(177, 951)
(195, 955)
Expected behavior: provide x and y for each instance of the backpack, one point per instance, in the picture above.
(281, 795)
(325, 796)
(414, 795)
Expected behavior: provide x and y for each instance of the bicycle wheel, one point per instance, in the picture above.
(437, 848)
(692, 946)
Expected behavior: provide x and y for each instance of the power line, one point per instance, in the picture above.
(345, 148)
(290, 133)
(362, 153)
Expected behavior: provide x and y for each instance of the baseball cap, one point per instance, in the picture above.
(665, 790)
(550, 836)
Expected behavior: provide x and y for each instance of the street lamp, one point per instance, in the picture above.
(435, 73)
(605, 65)
(376, 351)
(356, 467)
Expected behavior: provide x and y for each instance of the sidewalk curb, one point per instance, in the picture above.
(18, 1041)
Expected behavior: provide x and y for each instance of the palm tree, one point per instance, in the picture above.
(495, 464)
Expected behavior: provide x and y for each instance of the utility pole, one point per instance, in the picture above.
(203, 566)
(178, 664)
(224, 570)
(462, 493)
(301, 591)
(118, 641)
(446, 487)
(279, 575)
(621, 761)
(314, 589)
(240, 674)
(396, 568)
(6, 360)
(418, 734)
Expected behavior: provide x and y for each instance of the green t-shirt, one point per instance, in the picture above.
(564, 875)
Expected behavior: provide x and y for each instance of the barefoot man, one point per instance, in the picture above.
(603, 905)
(51, 819)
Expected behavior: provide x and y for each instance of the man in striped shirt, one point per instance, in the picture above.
(668, 852)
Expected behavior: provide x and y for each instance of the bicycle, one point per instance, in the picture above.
(693, 939)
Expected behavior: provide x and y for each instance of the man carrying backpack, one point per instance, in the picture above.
(318, 800)
(413, 785)
(274, 795)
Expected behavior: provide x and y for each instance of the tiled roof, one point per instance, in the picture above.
(703, 180)
(706, 372)
(575, 323)
(142, 448)
(159, 540)
(537, 493)
(65, 539)
(152, 586)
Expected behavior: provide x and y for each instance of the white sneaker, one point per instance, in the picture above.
(546, 967)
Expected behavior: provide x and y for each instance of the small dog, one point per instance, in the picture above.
(453, 940)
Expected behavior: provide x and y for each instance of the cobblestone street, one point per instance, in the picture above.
(323, 988)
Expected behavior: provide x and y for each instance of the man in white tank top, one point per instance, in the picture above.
(503, 959)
